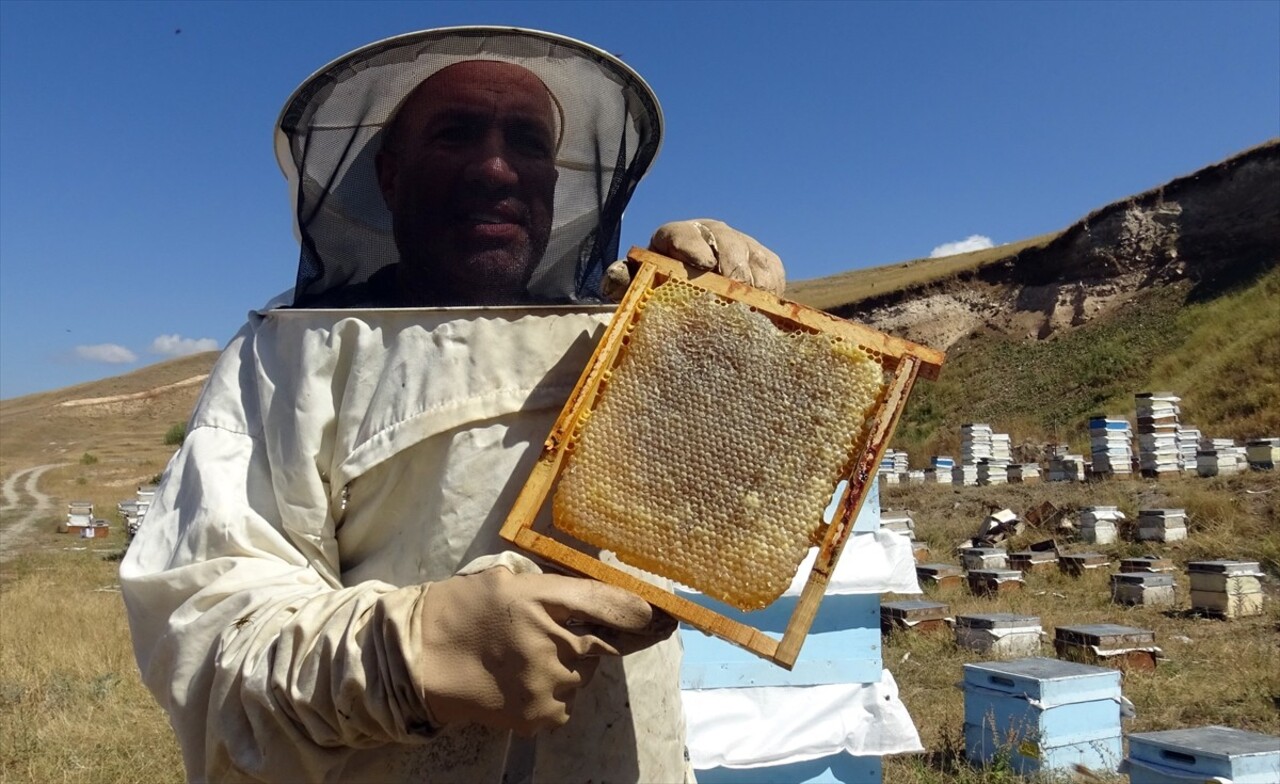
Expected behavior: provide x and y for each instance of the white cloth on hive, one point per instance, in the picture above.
(777, 725)
(872, 562)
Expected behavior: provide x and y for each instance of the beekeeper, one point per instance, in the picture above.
(318, 591)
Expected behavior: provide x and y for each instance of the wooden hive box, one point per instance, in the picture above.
(984, 558)
(940, 575)
(993, 582)
(1076, 564)
(1107, 644)
(655, 277)
(1153, 564)
(913, 615)
(1033, 560)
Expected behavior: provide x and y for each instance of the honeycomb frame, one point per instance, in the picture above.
(902, 361)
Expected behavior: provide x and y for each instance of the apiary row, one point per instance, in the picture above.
(1221, 588)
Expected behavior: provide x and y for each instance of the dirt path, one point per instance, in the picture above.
(36, 504)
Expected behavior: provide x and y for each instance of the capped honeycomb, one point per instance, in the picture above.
(715, 445)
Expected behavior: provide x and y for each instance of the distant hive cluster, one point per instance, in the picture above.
(715, 445)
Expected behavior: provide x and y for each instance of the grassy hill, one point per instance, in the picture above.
(1221, 356)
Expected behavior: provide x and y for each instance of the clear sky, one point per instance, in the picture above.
(142, 213)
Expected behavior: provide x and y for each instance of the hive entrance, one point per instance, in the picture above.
(705, 439)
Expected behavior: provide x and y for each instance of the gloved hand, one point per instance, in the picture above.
(510, 650)
(707, 245)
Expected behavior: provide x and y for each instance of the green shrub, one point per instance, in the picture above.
(88, 459)
(175, 435)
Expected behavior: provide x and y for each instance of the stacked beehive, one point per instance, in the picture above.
(1001, 448)
(965, 474)
(1065, 467)
(1263, 453)
(1098, 523)
(975, 443)
(893, 467)
(1188, 444)
(899, 521)
(939, 469)
(1042, 715)
(838, 689)
(1024, 472)
(995, 469)
(1226, 589)
(1110, 444)
(1158, 452)
(1162, 525)
(1219, 456)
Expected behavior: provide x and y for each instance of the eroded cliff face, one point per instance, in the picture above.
(1213, 228)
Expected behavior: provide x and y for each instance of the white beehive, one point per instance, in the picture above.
(1226, 589)
(999, 634)
(1152, 590)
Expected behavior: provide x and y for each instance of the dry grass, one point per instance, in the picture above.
(72, 705)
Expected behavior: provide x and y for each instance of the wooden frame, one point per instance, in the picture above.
(905, 360)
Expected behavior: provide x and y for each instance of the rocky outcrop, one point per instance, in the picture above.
(1216, 227)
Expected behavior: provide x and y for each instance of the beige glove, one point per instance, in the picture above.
(708, 245)
(510, 650)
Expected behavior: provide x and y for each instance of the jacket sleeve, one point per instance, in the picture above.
(268, 668)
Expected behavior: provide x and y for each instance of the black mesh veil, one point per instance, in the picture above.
(331, 127)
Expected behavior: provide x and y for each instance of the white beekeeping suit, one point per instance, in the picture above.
(254, 588)
(292, 595)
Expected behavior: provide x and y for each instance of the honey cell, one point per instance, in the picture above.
(716, 444)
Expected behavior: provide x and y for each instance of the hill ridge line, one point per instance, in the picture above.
(146, 393)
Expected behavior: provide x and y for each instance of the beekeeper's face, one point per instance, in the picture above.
(469, 175)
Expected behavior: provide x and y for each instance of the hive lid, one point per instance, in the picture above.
(1224, 567)
(1050, 682)
(1212, 741)
(1086, 557)
(1094, 633)
(997, 621)
(983, 551)
(996, 574)
(913, 605)
(938, 569)
(1145, 579)
(1035, 555)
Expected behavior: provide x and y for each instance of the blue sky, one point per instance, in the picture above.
(142, 213)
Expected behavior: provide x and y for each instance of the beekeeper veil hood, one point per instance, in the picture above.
(608, 128)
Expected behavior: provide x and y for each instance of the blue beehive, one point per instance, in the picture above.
(1044, 714)
(1202, 753)
(843, 647)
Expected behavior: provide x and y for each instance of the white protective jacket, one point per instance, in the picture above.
(333, 457)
